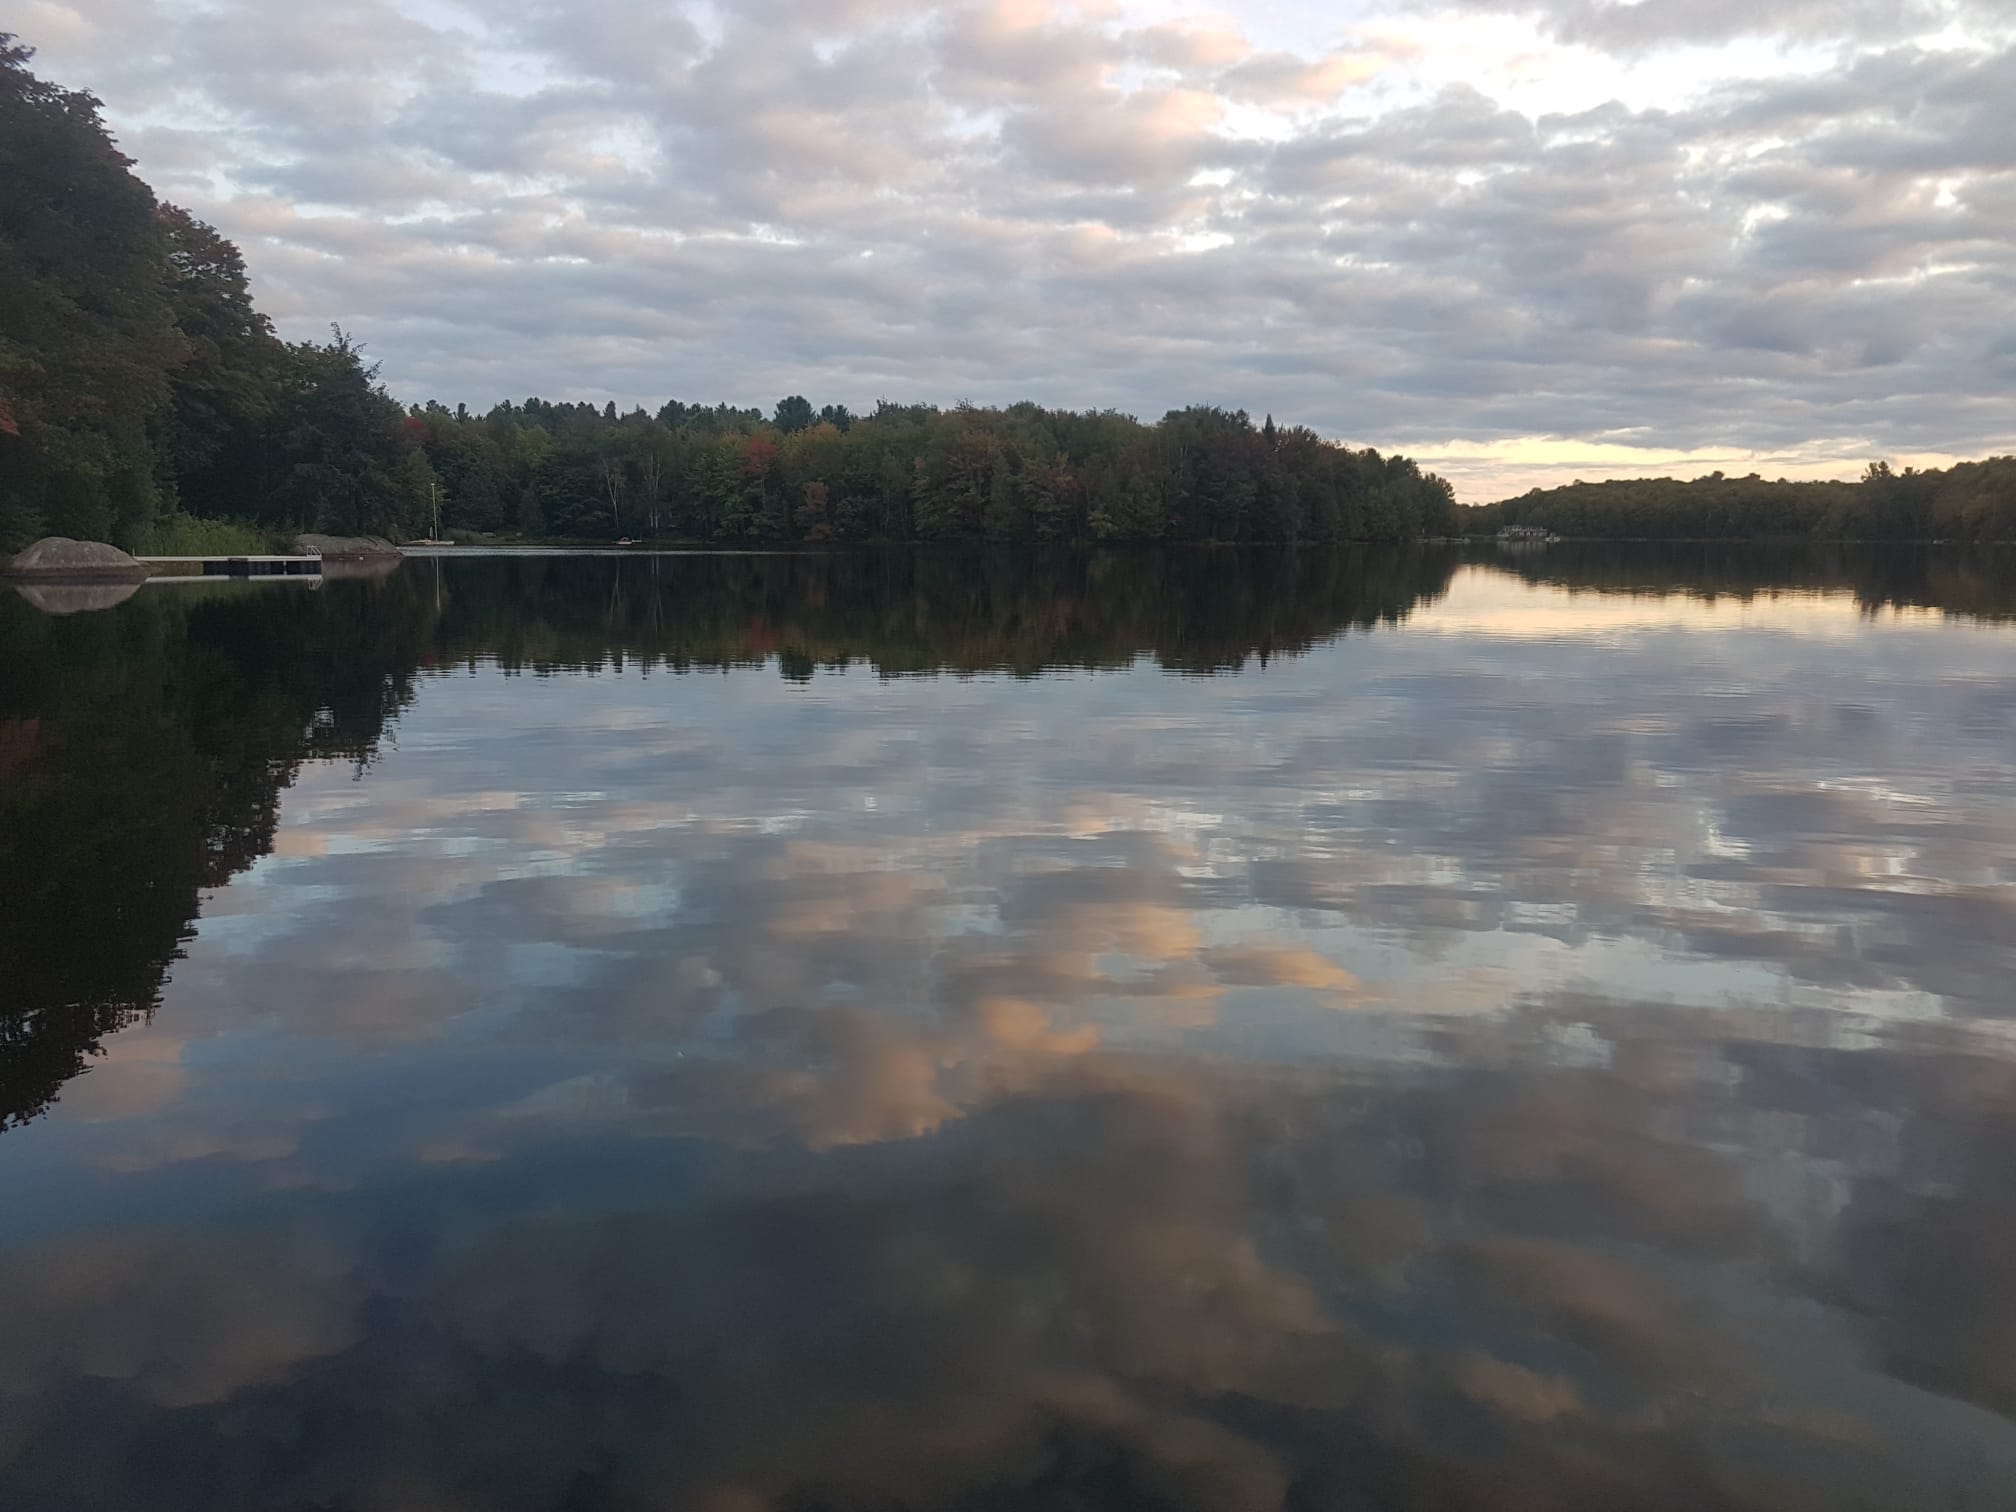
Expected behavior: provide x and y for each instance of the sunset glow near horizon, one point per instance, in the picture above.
(1521, 242)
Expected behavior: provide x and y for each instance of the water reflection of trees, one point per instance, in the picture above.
(145, 751)
(952, 610)
(1023, 612)
(1975, 583)
(144, 748)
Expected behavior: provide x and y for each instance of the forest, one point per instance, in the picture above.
(143, 396)
(1970, 501)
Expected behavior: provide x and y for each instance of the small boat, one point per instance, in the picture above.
(626, 541)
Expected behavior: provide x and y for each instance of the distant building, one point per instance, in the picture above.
(1512, 534)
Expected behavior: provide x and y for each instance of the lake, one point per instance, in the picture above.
(1439, 1029)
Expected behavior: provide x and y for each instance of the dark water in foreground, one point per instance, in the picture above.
(595, 1033)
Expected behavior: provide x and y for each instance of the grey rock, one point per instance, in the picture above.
(60, 559)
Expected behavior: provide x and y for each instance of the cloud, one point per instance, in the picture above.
(1291, 79)
(1631, 27)
(1263, 964)
(1516, 1391)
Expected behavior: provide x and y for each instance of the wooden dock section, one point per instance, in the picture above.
(233, 566)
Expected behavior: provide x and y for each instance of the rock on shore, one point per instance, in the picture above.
(58, 559)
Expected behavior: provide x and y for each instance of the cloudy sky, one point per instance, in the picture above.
(1524, 241)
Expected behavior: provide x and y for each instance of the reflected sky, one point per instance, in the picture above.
(1550, 1046)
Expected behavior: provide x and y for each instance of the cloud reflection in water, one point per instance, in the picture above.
(1441, 1069)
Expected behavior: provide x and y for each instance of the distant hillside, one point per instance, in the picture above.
(1970, 501)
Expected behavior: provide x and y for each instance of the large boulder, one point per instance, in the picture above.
(58, 559)
(347, 548)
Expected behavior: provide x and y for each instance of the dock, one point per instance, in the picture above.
(233, 566)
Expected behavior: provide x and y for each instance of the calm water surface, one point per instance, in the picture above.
(1217, 1031)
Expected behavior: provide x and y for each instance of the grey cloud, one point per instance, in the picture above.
(647, 46)
(1632, 26)
(1289, 78)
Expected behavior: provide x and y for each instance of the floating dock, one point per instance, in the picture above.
(233, 566)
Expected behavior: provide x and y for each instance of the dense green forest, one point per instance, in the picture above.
(139, 386)
(1970, 501)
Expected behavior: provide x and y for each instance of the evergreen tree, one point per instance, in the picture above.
(531, 516)
(335, 442)
(87, 328)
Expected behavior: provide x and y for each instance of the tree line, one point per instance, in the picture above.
(902, 473)
(1970, 501)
